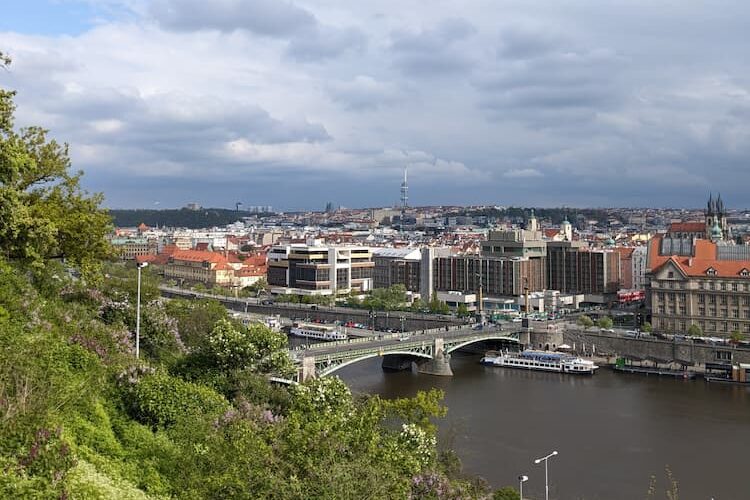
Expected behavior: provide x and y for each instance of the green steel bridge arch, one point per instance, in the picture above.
(344, 354)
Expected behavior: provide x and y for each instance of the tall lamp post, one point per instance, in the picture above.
(521, 480)
(140, 266)
(546, 482)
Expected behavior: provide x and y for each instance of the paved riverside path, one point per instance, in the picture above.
(383, 319)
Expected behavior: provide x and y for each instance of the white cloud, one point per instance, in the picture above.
(233, 97)
(517, 173)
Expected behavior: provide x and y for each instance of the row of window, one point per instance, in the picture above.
(706, 326)
(705, 285)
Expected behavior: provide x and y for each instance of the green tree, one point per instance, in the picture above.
(418, 305)
(462, 311)
(44, 213)
(438, 306)
(585, 321)
(506, 493)
(258, 287)
(695, 330)
(195, 318)
(736, 336)
(604, 322)
(646, 327)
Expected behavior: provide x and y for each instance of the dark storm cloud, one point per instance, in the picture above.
(434, 51)
(264, 17)
(520, 43)
(309, 40)
(324, 42)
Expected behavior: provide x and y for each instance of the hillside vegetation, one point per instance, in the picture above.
(195, 417)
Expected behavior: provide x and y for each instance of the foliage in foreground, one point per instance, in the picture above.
(196, 416)
(80, 418)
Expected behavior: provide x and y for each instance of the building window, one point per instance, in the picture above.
(670, 274)
(724, 355)
(723, 285)
(700, 285)
(701, 311)
(711, 285)
(701, 298)
(723, 300)
(744, 273)
(734, 287)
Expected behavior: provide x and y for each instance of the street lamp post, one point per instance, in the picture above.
(521, 480)
(140, 266)
(546, 482)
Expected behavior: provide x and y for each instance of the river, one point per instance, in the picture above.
(612, 431)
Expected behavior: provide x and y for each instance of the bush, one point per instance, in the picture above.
(160, 400)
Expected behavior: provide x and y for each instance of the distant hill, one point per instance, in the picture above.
(183, 217)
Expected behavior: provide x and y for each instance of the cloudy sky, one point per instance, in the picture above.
(296, 103)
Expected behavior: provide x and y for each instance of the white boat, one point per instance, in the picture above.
(541, 361)
(319, 332)
(273, 322)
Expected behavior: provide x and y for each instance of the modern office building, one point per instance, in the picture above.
(317, 269)
(397, 266)
(574, 268)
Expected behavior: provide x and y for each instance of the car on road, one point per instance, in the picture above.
(517, 320)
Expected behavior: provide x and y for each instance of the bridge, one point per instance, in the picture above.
(430, 350)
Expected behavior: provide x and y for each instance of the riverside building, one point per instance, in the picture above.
(317, 269)
(701, 279)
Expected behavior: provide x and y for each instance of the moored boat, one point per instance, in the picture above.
(318, 332)
(540, 361)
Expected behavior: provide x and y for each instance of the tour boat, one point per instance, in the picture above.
(541, 361)
(319, 332)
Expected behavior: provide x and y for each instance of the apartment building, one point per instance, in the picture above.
(131, 247)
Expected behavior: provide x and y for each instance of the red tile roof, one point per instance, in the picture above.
(698, 265)
(687, 227)
(199, 256)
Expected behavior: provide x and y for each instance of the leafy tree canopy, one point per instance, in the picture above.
(44, 213)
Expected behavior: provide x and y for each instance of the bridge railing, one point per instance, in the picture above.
(385, 336)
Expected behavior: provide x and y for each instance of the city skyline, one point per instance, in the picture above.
(297, 104)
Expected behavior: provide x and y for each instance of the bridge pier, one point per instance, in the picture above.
(397, 363)
(307, 370)
(440, 364)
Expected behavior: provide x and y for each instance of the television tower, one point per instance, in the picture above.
(404, 199)
(404, 192)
